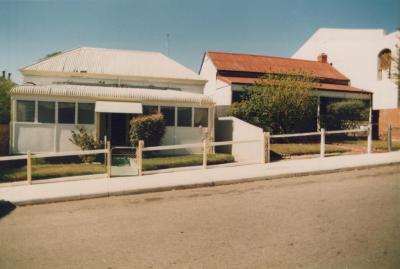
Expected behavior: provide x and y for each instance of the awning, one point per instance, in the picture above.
(119, 107)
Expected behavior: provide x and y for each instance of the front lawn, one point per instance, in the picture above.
(184, 160)
(43, 171)
(376, 144)
(304, 149)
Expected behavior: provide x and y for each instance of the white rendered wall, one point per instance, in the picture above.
(355, 54)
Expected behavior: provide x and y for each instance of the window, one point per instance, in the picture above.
(26, 111)
(237, 96)
(200, 117)
(185, 116)
(147, 110)
(46, 112)
(66, 112)
(169, 115)
(85, 113)
(384, 64)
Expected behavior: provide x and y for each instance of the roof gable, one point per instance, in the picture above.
(268, 64)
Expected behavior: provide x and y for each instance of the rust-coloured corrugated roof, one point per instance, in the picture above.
(267, 64)
(321, 86)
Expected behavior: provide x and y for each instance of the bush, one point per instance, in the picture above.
(84, 139)
(347, 114)
(279, 103)
(150, 128)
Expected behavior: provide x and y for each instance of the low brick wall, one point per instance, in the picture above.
(4, 138)
(389, 117)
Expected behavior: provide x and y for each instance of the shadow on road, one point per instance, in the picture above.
(5, 208)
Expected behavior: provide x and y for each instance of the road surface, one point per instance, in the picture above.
(340, 220)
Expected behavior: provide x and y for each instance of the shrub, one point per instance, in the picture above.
(347, 114)
(150, 128)
(85, 139)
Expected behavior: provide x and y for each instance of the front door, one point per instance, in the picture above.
(119, 129)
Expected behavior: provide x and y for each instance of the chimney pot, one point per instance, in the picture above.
(4, 74)
(9, 76)
(323, 58)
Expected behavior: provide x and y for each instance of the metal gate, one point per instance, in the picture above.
(123, 161)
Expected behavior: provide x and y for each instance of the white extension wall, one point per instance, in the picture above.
(40, 137)
(231, 128)
(355, 53)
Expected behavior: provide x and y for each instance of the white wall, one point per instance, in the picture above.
(231, 128)
(220, 91)
(43, 80)
(355, 54)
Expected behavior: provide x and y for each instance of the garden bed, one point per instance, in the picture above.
(184, 160)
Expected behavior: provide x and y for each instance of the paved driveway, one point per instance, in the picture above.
(341, 220)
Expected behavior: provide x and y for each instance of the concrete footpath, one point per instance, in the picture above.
(102, 187)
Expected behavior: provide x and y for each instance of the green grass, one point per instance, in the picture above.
(43, 171)
(304, 149)
(184, 160)
(377, 144)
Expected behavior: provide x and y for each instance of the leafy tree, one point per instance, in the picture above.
(51, 55)
(5, 102)
(279, 103)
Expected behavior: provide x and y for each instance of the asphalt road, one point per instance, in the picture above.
(341, 220)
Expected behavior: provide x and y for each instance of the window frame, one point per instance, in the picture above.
(34, 110)
(191, 116)
(75, 112)
(38, 114)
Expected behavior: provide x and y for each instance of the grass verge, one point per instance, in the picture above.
(184, 160)
(43, 171)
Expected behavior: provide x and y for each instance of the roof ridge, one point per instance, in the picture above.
(125, 50)
(268, 56)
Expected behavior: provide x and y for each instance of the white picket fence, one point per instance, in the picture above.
(29, 156)
(206, 146)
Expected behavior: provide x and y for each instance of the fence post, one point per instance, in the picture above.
(389, 138)
(139, 157)
(205, 146)
(29, 167)
(369, 143)
(322, 148)
(267, 147)
(109, 160)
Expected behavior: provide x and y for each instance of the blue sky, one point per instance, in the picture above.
(31, 29)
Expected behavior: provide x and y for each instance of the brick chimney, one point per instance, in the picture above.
(323, 58)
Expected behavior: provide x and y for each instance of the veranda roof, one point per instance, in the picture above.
(110, 93)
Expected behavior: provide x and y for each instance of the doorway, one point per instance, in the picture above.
(116, 127)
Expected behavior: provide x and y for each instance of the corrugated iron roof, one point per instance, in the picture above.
(321, 86)
(267, 64)
(138, 94)
(114, 62)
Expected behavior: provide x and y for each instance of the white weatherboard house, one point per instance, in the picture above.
(102, 89)
(363, 55)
